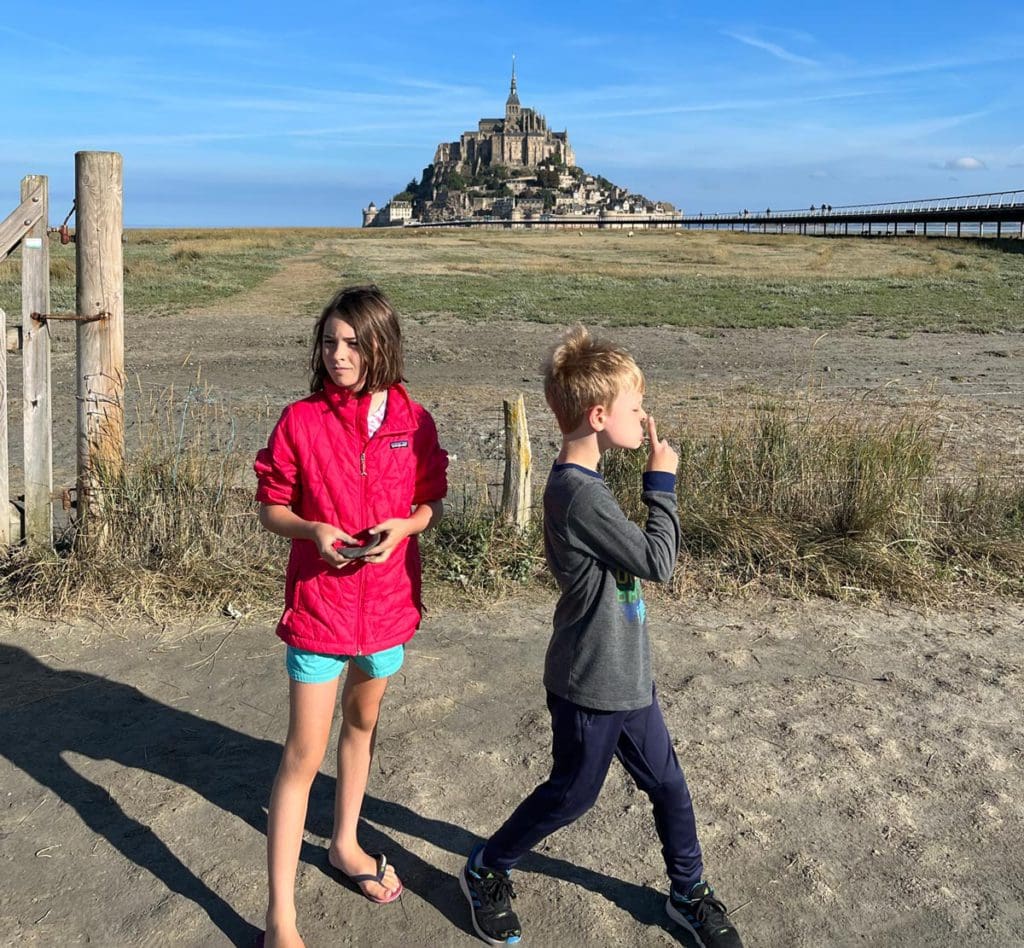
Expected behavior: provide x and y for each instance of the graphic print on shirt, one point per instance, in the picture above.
(627, 591)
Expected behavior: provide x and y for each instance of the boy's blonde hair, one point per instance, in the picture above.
(581, 372)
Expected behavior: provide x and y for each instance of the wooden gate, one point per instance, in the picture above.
(100, 345)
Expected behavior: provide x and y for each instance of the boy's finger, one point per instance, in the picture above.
(652, 430)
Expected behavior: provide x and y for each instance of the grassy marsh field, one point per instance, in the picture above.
(692, 279)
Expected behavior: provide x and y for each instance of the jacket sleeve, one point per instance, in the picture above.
(599, 524)
(431, 463)
(277, 466)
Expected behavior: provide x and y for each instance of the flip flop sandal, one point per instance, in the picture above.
(378, 877)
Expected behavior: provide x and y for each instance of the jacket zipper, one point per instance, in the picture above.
(362, 493)
(362, 566)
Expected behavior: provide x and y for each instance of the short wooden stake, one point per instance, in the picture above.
(100, 292)
(517, 494)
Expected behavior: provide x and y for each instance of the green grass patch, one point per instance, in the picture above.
(939, 305)
(697, 280)
(169, 271)
(690, 279)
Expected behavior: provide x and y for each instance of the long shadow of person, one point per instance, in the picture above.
(47, 713)
(57, 712)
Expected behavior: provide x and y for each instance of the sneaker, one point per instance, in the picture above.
(704, 916)
(490, 895)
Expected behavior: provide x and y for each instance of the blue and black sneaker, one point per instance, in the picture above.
(704, 916)
(490, 895)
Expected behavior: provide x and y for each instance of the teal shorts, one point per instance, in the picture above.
(312, 668)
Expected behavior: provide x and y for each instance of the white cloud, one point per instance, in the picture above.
(967, 163)
(774, 49)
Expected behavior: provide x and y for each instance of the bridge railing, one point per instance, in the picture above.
(961, 202)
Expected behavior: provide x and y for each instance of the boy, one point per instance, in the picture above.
(598, 670)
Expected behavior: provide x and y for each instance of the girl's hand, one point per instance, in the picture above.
(395, 530)
(326, 538)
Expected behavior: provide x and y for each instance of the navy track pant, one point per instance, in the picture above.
(584, 741)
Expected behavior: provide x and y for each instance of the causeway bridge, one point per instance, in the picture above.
(997, 214)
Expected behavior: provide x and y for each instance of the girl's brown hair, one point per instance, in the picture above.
(378, 336)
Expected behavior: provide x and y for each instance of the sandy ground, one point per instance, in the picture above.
(856, 773)
(856, 770)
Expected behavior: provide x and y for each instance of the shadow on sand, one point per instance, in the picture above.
(47, 713)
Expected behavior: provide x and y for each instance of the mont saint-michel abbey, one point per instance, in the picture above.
(511, 169)
(521, 139)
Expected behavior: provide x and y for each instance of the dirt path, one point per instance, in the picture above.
(856, 773)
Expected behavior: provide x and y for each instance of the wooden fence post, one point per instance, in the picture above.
(5, 484)
(99, 262)
(12, 519)
(517, 494)
(35, 298)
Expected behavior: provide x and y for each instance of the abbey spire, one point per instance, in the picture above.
(512, 102)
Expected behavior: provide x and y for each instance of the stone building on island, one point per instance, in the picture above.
(511, 168)
(521, 139)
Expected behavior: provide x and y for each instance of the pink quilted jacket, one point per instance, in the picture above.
(321, 463)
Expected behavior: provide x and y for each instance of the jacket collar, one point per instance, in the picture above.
(352, 410)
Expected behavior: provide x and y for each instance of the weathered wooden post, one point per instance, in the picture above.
(517, 494)
(38, 429)
(99, 260)
(12, 524)
(5, 486)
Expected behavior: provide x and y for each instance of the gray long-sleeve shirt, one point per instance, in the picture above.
(599, 655)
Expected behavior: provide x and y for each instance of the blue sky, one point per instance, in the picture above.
(234, 114)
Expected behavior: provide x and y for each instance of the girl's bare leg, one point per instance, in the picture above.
(360, 705)
(311, 709)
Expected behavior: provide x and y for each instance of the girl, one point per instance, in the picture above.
(351, 474)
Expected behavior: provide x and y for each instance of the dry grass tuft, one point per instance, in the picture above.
(803, 504)
(179, 534)
(788, 500)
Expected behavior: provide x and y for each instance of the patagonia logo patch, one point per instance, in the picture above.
(399, 444)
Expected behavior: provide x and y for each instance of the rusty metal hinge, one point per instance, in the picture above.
(66, 236)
